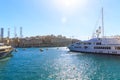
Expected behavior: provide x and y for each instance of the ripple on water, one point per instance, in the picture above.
(59, 64)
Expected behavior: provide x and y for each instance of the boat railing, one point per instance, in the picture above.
(117, 37)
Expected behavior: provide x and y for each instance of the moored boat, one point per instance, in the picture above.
(5, 50)
(101, 45)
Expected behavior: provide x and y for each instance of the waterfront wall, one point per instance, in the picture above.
(41, 41)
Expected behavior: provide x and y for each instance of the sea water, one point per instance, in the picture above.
(59, 64)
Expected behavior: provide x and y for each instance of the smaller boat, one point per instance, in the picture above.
(15, 50)
(41, 50)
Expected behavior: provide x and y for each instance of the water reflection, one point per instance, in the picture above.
(59, 64)
(96, 66)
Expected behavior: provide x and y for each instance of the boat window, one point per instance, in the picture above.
(2, 49)
(98, 43)
(78, 43)
(117, 48)
(99, 47)
(87, 43)
(77, 46)
(84, 43)
(85, 47)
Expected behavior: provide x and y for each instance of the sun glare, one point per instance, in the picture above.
(69, 4)
(64, 20)
(68, 7)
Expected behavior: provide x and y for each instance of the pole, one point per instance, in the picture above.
(102, 23)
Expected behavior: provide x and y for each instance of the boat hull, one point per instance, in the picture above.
(112, 52)
(5, 54)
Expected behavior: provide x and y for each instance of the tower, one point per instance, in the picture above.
(15, 32)
(2, 34)
(8, 32)
(21, 35)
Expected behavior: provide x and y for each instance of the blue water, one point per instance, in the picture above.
(59, 64)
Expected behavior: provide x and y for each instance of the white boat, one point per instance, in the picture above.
(5, 50)
(101, 45)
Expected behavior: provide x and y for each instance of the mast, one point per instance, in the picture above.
(102, 23)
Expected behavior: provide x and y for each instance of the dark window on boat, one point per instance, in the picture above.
(117, 48)
(77, 46)
(114, 52)
(98, 43)
(2, 49)
(84, 43)
(85, 47)
(78, 43)
(87, 43)
(99, 47)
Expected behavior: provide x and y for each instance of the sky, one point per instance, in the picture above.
(70, 18)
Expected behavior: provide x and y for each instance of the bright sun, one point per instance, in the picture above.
(68, 7)
(69, 4)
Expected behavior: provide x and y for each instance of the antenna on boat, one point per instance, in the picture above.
(102, 8)
(100, 30)
(102, 23)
